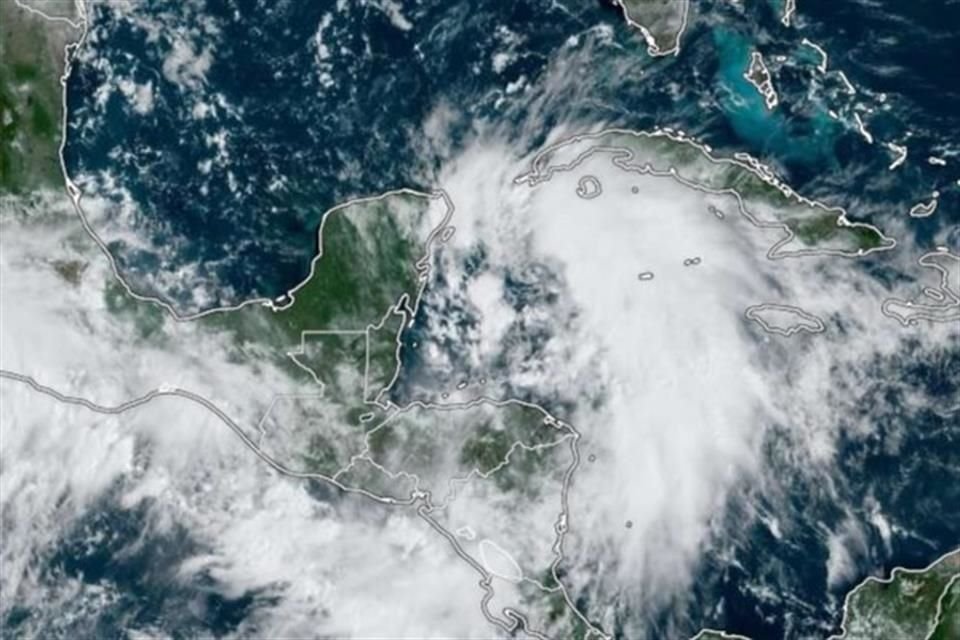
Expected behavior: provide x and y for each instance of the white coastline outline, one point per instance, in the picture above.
(764, 87)
(930, 313)
(717, 632)
(74, 194)
(589, 187)
(789, 9)
(653, 47)
(541, 171)
(824, 58)
(894, 572)
(938, 615)
(925, 209)
(753, 313)
(29, 8)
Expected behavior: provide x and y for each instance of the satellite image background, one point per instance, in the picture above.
(566, 319)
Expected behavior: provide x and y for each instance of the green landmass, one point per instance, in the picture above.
(365, 475)
(70, 270)
(148, 319)
(490, 450)
(812, 230)
(440, 443)
(489, 442)
(31, 63)
(525, 466)
(906, 606)
(339, 329)
(486, 449)
(815, 227)
(337, 361)
(816, 230)
(367, 263)
(369, 255)
(382, 441)
(382, 355)
(948, 622)
(553, 615)
(549, 612)
(321, 456)
(489, 445)
(921, 605)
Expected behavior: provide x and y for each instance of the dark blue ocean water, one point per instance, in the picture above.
(304, 133)
(908, 464)
(125, 567)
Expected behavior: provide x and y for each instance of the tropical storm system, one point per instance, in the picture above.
(553, 319)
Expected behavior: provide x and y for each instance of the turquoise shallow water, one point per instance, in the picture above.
(303, 132)
(769, 130)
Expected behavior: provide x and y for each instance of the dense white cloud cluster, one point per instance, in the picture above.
(645, 347)
(623, 312)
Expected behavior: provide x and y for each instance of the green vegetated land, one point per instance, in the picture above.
(382, 353)
(948, 623)
(544, 603)
(339, 329)
(319, 352)
(31, 63)
(457, 441)
(367, 264)
(817, 229)
(912, 605)
(908, 606)
(814, 227)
